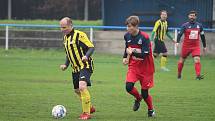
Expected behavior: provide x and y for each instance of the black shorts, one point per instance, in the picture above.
(160, 47)
(83, 74)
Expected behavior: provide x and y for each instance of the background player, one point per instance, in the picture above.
(191, 43)
(140, 64)
(79, 50)
(158, 36)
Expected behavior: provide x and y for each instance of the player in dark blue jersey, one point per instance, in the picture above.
(192, 31)
(138, 56)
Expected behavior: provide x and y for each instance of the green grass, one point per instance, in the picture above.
(31, 84)
(76, 22)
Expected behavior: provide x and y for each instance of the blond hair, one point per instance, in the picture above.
(133, 20)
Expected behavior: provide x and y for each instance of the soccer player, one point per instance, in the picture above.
(138, 56)
(158, 36)
(78, 50)
(191, 43)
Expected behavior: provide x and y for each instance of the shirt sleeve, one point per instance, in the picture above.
(90, 51)
(201, 30)
(152, 36)
(157, 24)
(202, 35)
(67, 61)
(126, 46)
(84, 39)
(168, 35)
(87, 43)
(180, 33)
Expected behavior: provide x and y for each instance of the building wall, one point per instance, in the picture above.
(116, 11)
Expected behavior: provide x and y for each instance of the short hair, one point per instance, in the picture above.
(68, 20)
(192, 12)
(133, 20)
(163, 11)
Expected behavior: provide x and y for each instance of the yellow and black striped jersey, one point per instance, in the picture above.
(76, 46)
(160, 28)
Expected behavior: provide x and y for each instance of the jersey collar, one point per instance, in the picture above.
(71, 33)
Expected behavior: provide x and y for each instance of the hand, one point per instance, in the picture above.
(177, 44)
(174, 41)
(84, 58)
(129, 51)
(63, 67)
(204, 50)
(125, 61)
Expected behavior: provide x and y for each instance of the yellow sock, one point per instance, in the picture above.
(163, 61)
(85, 100)
(79, 96)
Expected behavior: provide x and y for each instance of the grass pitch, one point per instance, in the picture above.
(31, 84)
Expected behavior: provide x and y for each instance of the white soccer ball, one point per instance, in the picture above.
(59, 111)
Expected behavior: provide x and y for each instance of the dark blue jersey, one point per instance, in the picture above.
(141, 58)
(141, 42)
(191, 31)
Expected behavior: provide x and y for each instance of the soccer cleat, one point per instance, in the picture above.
(136, 105)
(179, 77)
(151, 113)
(92, 109)
(85, 116)
(200, 77)
(164, 69)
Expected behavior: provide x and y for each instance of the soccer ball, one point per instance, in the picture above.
(59, 111)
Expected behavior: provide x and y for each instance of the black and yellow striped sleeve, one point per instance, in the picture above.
(157, 24)
(84, 39)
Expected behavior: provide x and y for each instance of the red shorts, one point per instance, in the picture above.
(196, 51)
(146, 80)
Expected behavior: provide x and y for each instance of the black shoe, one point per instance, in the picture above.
(200, 77)
(136, 105)
(151, 113)
(179, 77)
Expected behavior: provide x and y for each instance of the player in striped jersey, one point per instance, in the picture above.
(158, 36)
(78, 50)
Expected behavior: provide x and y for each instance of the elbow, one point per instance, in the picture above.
(93, 49)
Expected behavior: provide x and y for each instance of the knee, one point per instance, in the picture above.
(181, 60)
(196, 59)
(82, 85)
(129, 86)
(155, 55)
(144, 94)
(164, 55)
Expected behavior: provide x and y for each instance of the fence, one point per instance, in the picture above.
(90, 28)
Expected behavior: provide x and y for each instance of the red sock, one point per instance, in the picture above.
(148, 101)
(198, 68)
(135, 93)
(180, 67)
